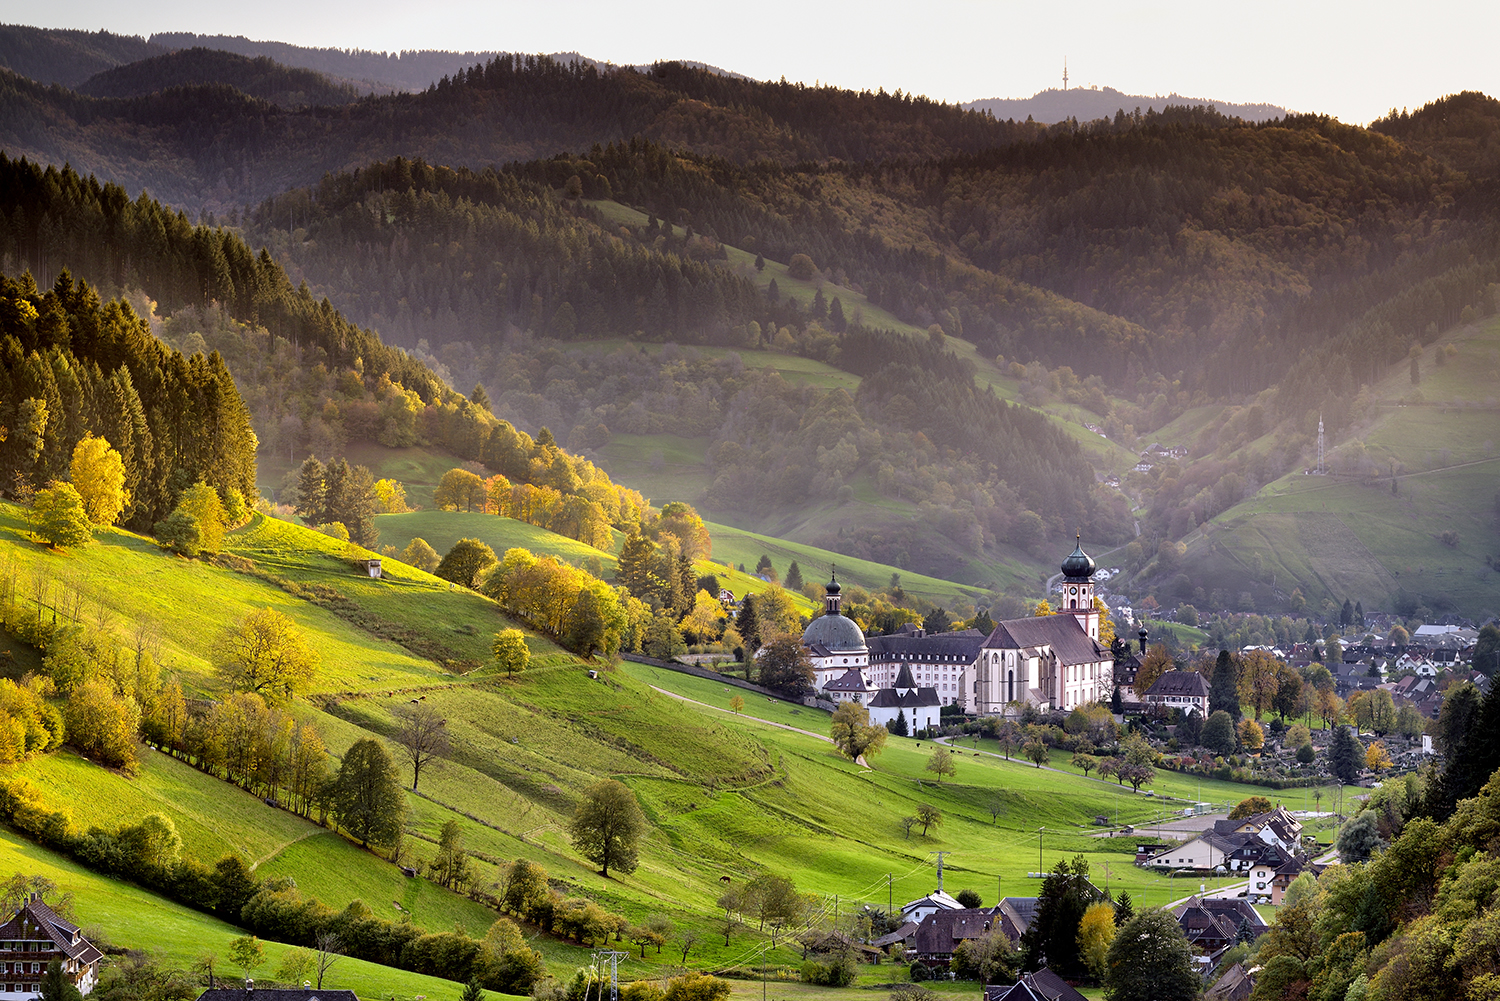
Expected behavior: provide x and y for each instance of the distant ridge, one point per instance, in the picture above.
(1089, 104)
(377, 71)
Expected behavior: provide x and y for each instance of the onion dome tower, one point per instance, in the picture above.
(1078, 589)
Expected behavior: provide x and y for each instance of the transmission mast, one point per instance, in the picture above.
(614, 971)
(1322, 469)
(940, 856)
(1065, 72)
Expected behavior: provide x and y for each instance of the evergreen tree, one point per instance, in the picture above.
(312, 492)
(335, 491)
(1359, 614)
(1346, 614)
(56, 986)
(794, 577)
(480, 398)
(1124, 908)
(746, 625)
(1345, 756)
(1116, 702)
(836, 319)
(898, 726)
(1052, 938)
(1223, 692)
(819, 305)
(760, 262)
(983, 622)
(773, 293)
(634, 569)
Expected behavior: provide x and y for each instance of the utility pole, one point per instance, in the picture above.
(1039, 868)
(940, 869)
(889, 902)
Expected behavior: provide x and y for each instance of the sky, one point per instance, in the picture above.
(1352, 61)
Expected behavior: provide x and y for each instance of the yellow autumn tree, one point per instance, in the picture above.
(1096, 932)
(99, 478)
(1043, 607)
(1106, 627)
(1377, 758)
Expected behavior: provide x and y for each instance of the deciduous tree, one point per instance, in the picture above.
(98, 473)
(607, 827)
(367, 796)
(422, 734)
(852, 732)
(265, 653)
(941, 763)
(464, 562)
(510, 651)
(1150, 960)
(60, 517)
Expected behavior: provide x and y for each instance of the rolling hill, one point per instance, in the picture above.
(727, 794)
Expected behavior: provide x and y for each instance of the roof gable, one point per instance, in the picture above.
(1069, 643)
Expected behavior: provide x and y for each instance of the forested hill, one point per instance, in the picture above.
(1086, 104)
(260, 77)
(66, 56)
(413, 71)
(214, 147)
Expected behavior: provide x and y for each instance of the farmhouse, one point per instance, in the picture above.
(1043, 985)
(34, 937)
(1185, 690)
(942, 932)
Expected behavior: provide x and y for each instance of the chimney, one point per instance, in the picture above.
(1142, 635)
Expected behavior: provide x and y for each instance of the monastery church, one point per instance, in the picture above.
(1049, 661)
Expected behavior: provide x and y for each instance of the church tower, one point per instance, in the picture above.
(1078, 590)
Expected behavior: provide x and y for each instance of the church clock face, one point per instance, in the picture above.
(1072, 590)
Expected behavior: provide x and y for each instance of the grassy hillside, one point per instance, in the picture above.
(1351, 534)
(130, 917)
(728, 795)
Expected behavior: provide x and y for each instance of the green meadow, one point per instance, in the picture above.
(728, 795)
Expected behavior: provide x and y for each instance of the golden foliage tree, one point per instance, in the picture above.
(510, 651)
(266, 653)
(459, 490)
(98, 474)
(1096, 932)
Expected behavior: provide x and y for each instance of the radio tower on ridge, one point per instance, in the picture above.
(1322, 470)
(1065, 72)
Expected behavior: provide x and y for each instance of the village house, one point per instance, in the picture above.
(1212, 925)
(249, 992)
(1043, 985)
(34, 937)
(1185, 690)
(943, 931)
(917, 911)
(1235, 985)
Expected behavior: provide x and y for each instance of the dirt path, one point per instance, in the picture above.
(729, 712)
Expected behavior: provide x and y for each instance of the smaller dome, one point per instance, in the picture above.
(833, 586)
(1078, 563)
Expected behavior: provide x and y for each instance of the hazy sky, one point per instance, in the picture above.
(1351, 60)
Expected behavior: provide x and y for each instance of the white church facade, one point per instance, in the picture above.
(1050, 661)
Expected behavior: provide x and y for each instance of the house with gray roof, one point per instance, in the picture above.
(1185, 690)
